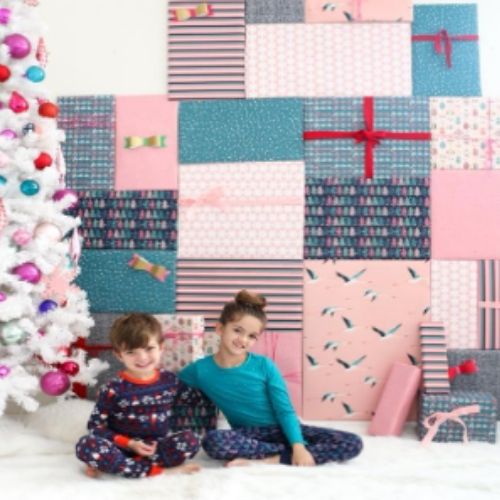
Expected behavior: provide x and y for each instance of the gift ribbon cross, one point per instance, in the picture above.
(153, 141)
(443, 42)
(369, 136)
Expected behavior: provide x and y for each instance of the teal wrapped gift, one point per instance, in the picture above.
(445, 50)
(457, 417)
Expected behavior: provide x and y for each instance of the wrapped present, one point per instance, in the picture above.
(204, 286)
(456, 210)
(367, 137)
(127, 219)
(348, 11)
(211, 341)
(487, 376)
(395, 401)
(433, 343)
(206, 49)
(286, 351)
(89, 149)
(465, 133)
(319, 60)
(183, 340)
(445, 52)
(274, 11)
(241, 130)
(349, 218)
(146, 143)
(116, 281)
(457, 417)
(242, 211)
(360, 317)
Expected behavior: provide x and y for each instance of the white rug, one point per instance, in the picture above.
(37, 462)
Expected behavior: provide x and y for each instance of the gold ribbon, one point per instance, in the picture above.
(153, 141)
(201, 10)
(141, 264)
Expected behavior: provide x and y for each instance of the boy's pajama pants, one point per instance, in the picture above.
(325, 445)
(104, 455)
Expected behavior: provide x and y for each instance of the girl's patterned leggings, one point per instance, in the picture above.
(104, 455)
(325, 445)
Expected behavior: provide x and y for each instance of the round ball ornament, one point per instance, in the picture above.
(11, 333)
(66, 193)
(21, 237)
(70, 368)
(3, 180)
(48, 231)
(19, 45)
(3, 296)
(29, 187)
(4, 371)
(48, 110)
(8, 133)
(35, 74)
(28, 272)
(43, 160)
(54, 383)
(47, 306)
(4, 15)
(4, 73)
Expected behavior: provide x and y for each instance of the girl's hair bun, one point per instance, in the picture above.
(250, 299)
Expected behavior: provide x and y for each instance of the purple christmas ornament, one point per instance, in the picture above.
(4, 16)
(4, 371)
(28, 272)
(19, 45)
(47, 305)
(55, 383)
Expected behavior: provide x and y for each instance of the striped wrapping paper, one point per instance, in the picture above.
(434, 359)
(89, 149)
(489, 304)
(206, 55)
(204, 286)
(128, 219)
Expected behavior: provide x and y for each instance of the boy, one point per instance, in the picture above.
(129, 425)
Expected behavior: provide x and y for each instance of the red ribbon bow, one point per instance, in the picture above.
(443, 42)
(368, 135)
(467, 367)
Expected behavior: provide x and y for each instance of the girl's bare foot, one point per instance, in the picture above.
(183, 469)
(91, 472)
(242, 462)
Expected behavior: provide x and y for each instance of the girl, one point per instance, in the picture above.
(250, 391)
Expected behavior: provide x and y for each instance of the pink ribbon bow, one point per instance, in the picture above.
(467, 367)
(141, 264)
(432, 422)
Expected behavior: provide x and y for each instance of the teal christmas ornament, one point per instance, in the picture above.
(30, 187)
(11, 333)
(35, 74)
(3, 180)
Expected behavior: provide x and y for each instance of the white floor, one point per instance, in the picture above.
(37, 462)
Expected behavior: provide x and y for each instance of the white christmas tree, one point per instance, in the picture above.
(41, 313)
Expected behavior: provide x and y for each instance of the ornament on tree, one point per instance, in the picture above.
(21, 237)
(48, 110)
(29, 187)
(4, 16)
(8, 133)
(68, 195)
(43, 160)
(4, 371)
(18, 103)
(19, 45)
(35, 74)
(55, 383)
(11, 333)
(4, 73)
(69, 367)
(3, 296)
(47, 231)
(47, 306)
(28, 272)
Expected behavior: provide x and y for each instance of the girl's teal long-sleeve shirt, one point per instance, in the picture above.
(253, 394)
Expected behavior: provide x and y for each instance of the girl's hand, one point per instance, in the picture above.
(142, 448)
(301, 456)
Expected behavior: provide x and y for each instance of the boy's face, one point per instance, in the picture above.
(141, 362)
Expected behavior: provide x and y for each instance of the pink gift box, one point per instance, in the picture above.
(395, 401)
(285, 349)
(345, 11)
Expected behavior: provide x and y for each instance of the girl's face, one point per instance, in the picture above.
(238, 336)
(142, 362)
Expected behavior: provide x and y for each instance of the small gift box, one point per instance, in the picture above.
(457, 417)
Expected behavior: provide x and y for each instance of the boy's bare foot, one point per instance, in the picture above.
(242, 462)
(190, 468)
(91, 472)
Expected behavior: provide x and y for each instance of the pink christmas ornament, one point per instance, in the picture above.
(4, 16)
(4, 159)
(19, 45)
(28, 272)
(48, 231)
(66, 194)
(18, 103)
(70, 367)
(55, 383)
(3, 296)
(21, 237)
(8, 133)
(4, 371)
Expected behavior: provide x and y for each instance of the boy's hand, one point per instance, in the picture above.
(301, 456)
(142, 448)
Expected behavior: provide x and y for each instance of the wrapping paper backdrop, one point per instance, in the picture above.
(274, 11)
(318, 60)
(242, 211)
(113, 286)
(360, 317)
(431, 76)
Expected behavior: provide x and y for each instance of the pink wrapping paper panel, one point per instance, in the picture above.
(318, 60)
(454, 301)
(465, 208)
(285, 349)
(360, 317)
(357, 10)
(146, 167)
(465, 133)
(241, 210)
